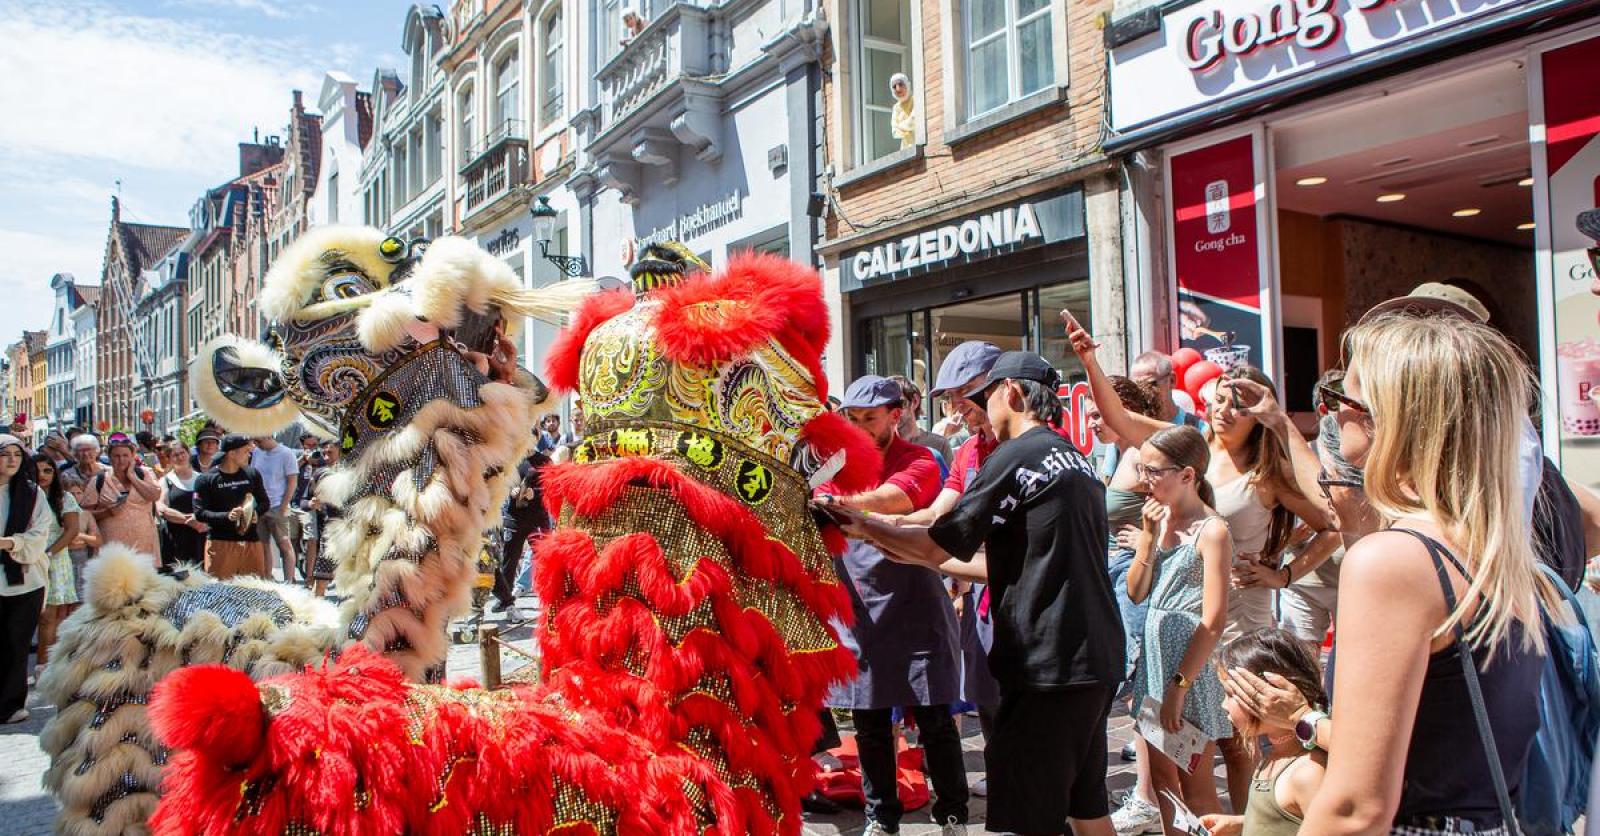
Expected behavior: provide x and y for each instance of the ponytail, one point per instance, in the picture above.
(1202, 486)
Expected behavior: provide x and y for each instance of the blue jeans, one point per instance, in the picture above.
(1118, 562)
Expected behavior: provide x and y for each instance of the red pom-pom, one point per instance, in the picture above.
(210, 709)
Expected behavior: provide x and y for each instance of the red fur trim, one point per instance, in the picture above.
(762, 297)
(561, 359)
(829, 433)
(212, 709)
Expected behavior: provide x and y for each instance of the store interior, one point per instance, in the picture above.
(1414, 180)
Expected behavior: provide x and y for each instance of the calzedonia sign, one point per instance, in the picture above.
(982, 235)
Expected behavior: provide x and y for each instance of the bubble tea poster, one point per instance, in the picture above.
(1570, 158)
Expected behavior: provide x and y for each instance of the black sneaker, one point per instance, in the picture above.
(820, 804)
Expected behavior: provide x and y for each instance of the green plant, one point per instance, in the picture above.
(190, 427)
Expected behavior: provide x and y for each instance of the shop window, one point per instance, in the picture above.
(551, 82)
(508, 95)
(883, 30)
(1050, 339)
(774, 240)
(1008, 51)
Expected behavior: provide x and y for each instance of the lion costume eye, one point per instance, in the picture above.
(345, 286)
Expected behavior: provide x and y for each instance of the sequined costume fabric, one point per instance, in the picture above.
(686, 642)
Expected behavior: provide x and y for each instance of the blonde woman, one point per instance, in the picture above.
(1405, 752)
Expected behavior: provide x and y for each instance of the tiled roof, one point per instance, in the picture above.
(145, 244)
(36, 340)
(90, 294)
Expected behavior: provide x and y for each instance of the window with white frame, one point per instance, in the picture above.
(1009, 53)
(507, 94)
(333, 198)
(467, 124)
(433, 142)
(551, 84)
(882, 49)
(419, 64)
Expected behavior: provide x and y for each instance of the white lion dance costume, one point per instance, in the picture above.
(390, 348)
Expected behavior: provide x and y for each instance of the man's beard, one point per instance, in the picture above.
(884, 439)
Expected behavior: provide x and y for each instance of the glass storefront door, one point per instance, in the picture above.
(915, 343)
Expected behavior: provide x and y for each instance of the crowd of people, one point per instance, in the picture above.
(1202, 569)
(1189, 571)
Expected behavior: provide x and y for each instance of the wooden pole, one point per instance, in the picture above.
(489, 654)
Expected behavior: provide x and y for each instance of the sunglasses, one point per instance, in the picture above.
(981, 397)
(1326, 482)
(1147, 473)
(1332, 398)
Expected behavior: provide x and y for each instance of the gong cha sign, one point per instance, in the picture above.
(1198, 53)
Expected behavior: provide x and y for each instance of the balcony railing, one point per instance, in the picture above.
(500, 165)
(676, 44)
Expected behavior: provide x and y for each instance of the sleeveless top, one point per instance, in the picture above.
(1264, 816)
(1249, 521)
(1447, 770)
(1123, 508)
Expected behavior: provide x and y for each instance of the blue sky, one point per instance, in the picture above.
(156, 94)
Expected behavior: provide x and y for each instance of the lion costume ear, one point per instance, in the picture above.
(238, 383)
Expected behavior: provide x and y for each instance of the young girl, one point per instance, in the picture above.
(1289, 776)
(61, 590)
(1181, 567)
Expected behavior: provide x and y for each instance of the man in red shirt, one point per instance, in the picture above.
(905, 634)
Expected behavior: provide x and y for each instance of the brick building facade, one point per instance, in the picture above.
(993, 207)
(131, 248)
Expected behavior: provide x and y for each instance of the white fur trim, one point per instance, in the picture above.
(299, 270)
(238, 418)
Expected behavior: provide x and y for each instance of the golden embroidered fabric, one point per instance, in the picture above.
(761, 399)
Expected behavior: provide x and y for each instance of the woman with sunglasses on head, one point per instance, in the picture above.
(1456, 572)
(1181, 569)
(123, 499)
(61, 590)
(25, 533)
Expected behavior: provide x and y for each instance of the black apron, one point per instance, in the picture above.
(905, 637)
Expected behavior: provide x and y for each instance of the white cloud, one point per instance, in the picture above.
(31, 259)
(92, 82)
(268, 8)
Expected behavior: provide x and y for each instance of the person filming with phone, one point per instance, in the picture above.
(123, 499)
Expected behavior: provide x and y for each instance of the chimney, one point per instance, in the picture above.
(254, 156)
(297, 102)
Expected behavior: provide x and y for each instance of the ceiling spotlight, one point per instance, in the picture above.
(1311, 181)
(1393, 197)
(1465, 213)
(1525, 227)
(1526, 181)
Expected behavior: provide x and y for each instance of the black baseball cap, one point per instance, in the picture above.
(234, 441)
(1024, 365)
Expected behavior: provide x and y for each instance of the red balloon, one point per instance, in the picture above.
(1196, 376)
(1183, 358)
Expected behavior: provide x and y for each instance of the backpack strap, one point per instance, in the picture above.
(1469, 670)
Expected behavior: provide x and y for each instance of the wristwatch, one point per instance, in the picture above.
(1181, 681)
(1305, 729)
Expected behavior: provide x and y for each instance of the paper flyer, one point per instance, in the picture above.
(1183, 819)
(1185, 747)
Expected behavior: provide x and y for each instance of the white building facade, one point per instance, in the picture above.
(60, 348)
(337, 196)
(83, 356)
(401, 177)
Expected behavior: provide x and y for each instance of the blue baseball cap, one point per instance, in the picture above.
(964, 364)
(872, 390)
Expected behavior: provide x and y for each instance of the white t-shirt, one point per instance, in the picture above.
(275, 466)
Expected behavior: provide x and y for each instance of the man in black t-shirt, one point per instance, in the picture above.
(1038, 508)
(229, 498)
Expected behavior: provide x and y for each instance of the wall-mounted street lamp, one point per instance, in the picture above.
(544, 231)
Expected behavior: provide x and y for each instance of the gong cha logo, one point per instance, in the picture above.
(1313, 24)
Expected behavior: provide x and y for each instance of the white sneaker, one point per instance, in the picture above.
(21, 716)
(1135, 817)
(980, 788)
(876, 828)
(514, 614)
(952, 828)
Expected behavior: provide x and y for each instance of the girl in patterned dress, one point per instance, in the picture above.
(1181, 568)
(61, 589)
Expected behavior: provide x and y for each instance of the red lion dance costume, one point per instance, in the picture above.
(686, 642)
